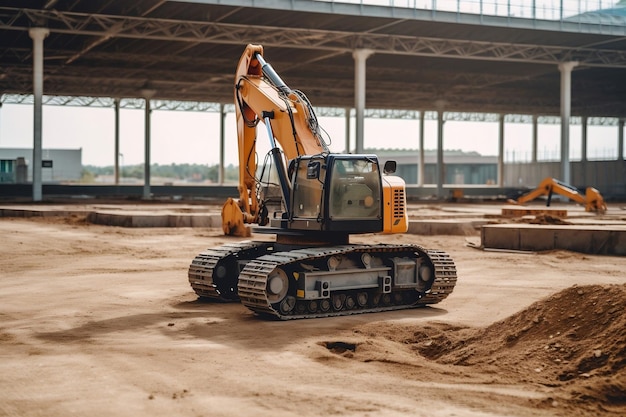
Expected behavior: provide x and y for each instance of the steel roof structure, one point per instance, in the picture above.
(422, 59)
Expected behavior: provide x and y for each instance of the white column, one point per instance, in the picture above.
(620, 141)
(116, 171)
(220, 179)
(420, 174)
(440, 167)
(500, 150)
(347, 121)
(147, 94)
(38, 35)
(360, 56)
(583, 151)
(566, 108)
(533, 151)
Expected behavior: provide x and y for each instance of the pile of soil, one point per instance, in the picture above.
(545, 219)
(573, 342)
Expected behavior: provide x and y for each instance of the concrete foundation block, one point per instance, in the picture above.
(442, 227)
(600, 240)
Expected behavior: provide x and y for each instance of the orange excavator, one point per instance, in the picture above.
(592, 200)
(312, 200)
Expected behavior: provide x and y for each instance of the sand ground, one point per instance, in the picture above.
(100, 320)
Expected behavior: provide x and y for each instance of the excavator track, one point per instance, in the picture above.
(213, 273)
(261, 275)
(445, 278)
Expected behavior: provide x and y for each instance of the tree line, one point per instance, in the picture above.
(189, 172)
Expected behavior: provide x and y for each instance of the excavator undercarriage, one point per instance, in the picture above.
(290, 282)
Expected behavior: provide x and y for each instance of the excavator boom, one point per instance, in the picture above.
(259, 91)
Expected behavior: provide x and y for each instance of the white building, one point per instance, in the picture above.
(58, 165)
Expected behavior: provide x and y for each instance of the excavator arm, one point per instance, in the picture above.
(262, 96)
(592, 200)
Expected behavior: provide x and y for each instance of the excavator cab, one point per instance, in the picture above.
(336, 193)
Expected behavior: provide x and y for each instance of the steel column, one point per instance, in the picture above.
(220, 176)
(38, 35)
(421, 170)
(500, 150)
(347, 121)
(620, 140)
(116, 169)
(147, 142)
(440, 166)
(533, 150)
(360, 56)
(584, 139)
(584, 150)
(566, 108)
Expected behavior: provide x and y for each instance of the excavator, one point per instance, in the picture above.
(311, 200)
(592, 200)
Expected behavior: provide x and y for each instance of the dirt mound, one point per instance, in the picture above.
(573, 341)
(545, 219)
(576, 338)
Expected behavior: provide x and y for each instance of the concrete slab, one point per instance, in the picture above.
(601, 240)
(142, 219)
(464, 227)
(125, 215)
(435, 219)
(41, 212)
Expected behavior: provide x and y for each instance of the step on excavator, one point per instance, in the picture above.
(592, 199)
(312, 200)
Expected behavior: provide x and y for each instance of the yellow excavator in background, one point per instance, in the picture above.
(312, 200)
(592, 200)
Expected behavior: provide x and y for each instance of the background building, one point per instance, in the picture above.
(460, 167)
(58, 165)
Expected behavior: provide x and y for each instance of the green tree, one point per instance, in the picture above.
(87, 177)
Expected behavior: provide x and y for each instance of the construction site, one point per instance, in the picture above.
(101, 318)
(324, 283)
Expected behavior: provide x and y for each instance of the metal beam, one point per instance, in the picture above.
(112, 26)
(373, 113)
